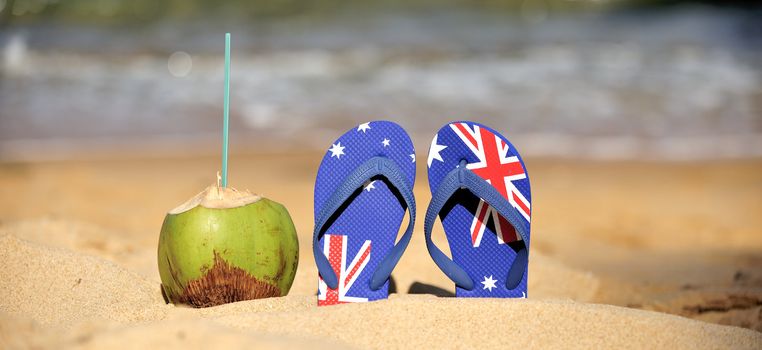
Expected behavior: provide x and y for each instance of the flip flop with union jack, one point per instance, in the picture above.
(480, 191)
(363, 188)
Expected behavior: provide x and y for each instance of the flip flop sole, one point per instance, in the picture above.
(364, 230)
(481, 241)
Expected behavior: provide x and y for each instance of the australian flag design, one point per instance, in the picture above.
(365, 228)
(496, 161)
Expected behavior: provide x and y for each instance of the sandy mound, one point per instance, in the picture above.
(194, 334)
(57, 297)
(119, 247)
(60, 287)
(431, 322)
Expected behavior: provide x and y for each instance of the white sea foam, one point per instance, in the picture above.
(673, 87)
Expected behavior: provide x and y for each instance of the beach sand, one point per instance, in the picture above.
(624, 254)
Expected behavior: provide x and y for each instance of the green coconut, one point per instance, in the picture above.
(223, 246)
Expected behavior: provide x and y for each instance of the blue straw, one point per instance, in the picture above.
(226, 118)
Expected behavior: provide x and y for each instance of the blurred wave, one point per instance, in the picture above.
(679, 84)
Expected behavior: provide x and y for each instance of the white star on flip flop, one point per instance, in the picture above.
(434, 151)
(337, 150)
(363, 127)
(385, 142)
(412, 156)
(370, 186)
(489, 283)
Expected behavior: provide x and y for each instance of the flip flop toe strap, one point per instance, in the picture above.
(376, 166)
(463, 178)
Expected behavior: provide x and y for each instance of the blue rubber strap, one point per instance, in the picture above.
(464, 178)
(355, 180)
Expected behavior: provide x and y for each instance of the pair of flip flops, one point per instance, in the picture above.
(364, 186)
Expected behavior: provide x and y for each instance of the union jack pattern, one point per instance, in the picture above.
(500, 170)
(335, 248)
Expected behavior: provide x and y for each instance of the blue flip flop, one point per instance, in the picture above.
(364, 186)
(480, 191)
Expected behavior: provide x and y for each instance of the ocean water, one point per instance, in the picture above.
(680, 84)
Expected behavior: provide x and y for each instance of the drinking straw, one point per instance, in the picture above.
(225, 120)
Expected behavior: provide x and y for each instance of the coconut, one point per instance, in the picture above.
(225, 245)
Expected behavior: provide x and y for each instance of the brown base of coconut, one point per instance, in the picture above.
(222, 284)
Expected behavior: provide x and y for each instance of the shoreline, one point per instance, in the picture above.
(542, 146)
